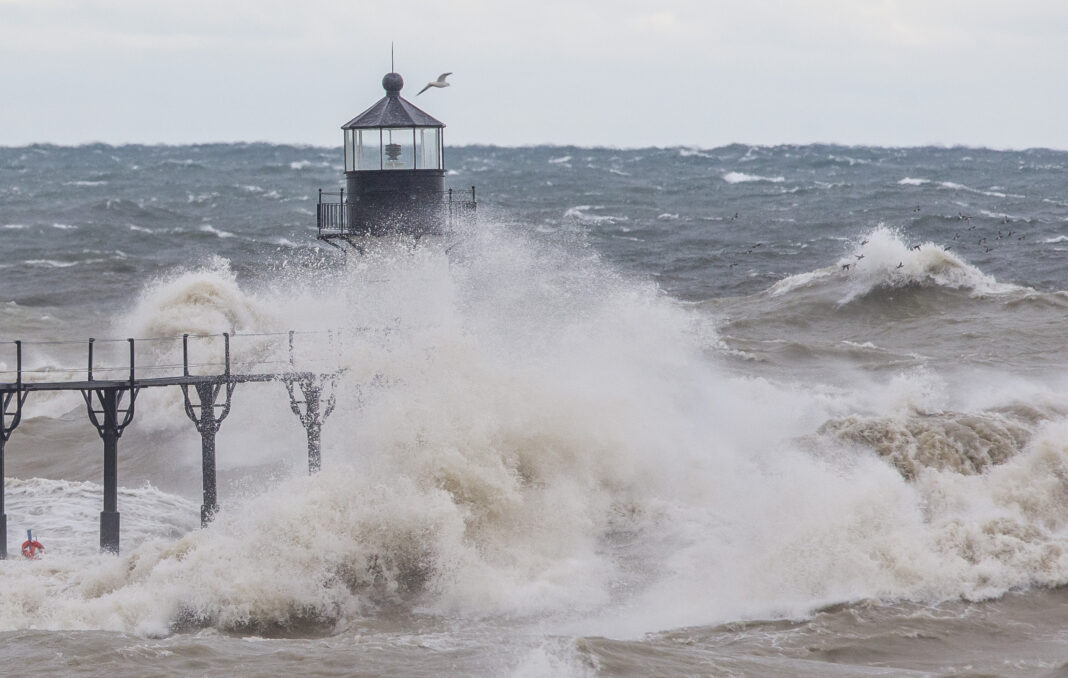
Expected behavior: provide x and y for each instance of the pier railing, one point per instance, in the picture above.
(334, 219)
(110, 393)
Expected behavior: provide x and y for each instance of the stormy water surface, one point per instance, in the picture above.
(737, 411)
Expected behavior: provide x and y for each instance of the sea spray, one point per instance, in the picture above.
(525, 432)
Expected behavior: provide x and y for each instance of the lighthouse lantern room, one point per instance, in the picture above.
(394, 174)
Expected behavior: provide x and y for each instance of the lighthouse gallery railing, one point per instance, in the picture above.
(332, 217)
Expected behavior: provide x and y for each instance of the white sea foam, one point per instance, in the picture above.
(208, 228)
(849, 160)
(562, 160)
(52, 263)
(909, 181)
(523, 432)
(741, 177)
(991, 193)
(65, 227)
(580, 214)
(201, 198)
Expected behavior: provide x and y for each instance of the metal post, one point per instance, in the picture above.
(109, 517)
(314, 429)
(6, 429)
(208, 427)
(313, 414)
(110, 429)
(3, 514)
(207, 422)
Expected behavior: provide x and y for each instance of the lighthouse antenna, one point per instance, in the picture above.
(392, 68)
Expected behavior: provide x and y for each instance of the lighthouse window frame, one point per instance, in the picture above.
(403, 137)
(367, 152)
(421, 148)
(350, 150)
(428, 148)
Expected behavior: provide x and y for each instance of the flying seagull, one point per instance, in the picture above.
(440, 82)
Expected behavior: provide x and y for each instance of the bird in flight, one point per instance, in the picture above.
(440, 82)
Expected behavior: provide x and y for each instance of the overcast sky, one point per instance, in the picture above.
(587, 72)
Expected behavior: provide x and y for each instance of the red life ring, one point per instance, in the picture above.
(30, 549)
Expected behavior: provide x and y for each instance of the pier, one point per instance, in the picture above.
(394, 161)
(110, 405)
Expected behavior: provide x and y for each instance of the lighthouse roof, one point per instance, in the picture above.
(393, 110)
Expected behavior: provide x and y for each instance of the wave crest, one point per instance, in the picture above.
(948, 441)
(883, 259)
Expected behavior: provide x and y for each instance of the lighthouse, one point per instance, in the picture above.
(394, 175)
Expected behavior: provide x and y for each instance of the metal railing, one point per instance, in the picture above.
(333, 218)
(330, 215)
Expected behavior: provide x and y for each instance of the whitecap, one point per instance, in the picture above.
(952, 185)
(208, 228)
(579, 214)
(741, 177)
(51, 263)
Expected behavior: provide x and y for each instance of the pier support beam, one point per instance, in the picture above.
(9, 421)
(110, 417)
(204, 416)
(207, 415)
(311, 412)
(3, 510)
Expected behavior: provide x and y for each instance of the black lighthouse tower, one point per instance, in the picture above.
(394, 174)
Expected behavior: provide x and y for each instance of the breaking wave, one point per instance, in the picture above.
(522, 431)
(885, 260)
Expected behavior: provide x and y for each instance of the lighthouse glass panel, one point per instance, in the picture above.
(398, 147)
(428, 148)
(350, 150)
(368, 151)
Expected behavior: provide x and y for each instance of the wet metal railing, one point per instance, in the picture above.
(333, 218)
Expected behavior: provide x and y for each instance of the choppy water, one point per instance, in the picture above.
(741, 411)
